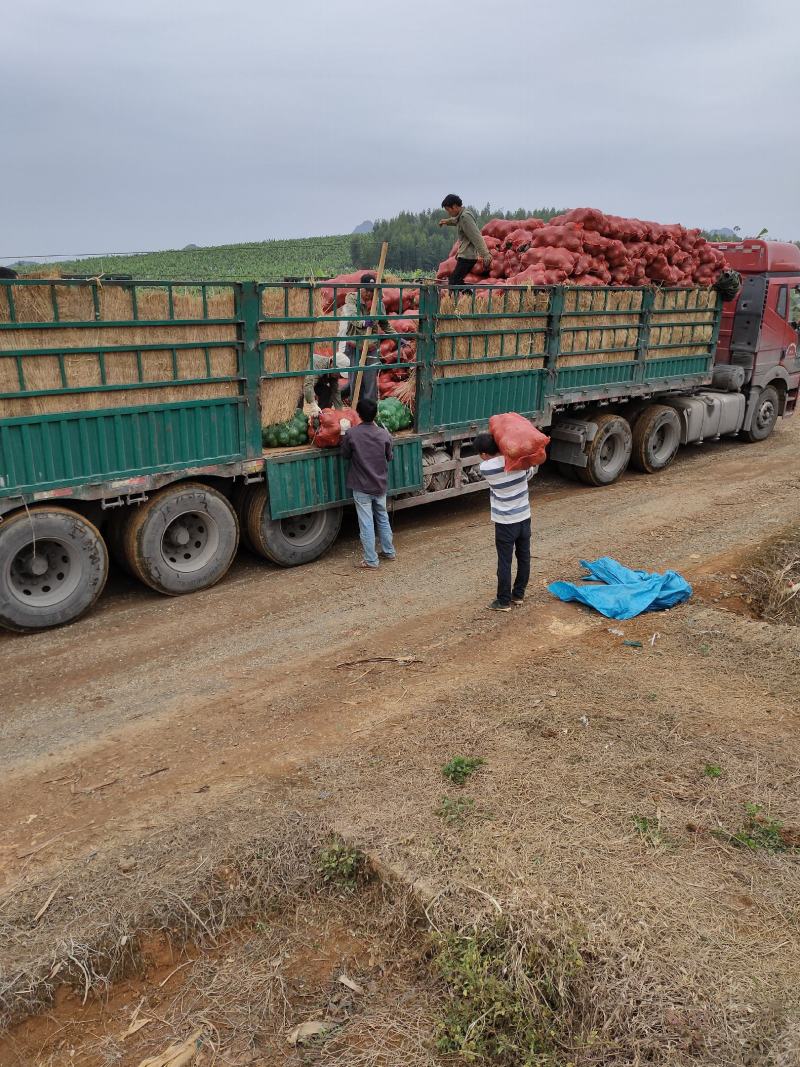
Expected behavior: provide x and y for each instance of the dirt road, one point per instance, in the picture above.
(149, 699)
(155, 713)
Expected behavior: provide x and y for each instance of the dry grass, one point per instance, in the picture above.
(688, 950)
(193, 884)
(682, 322)
(613, 324)
(773, 579)
(292, 348)
(488, 337)
(257, 938)
(115, 302)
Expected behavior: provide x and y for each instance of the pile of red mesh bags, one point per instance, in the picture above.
(349, 283)
(586, 247)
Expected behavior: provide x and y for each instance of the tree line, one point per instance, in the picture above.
(417, 242)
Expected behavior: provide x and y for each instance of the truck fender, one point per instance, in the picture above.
(781, 384)
(568, 441)
(776, 375)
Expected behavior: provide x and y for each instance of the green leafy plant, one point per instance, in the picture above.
(454, 810)
(341, 865)
(759, 832)
(650, 831)
(712, 770)
(460, 768)
(491, 1016)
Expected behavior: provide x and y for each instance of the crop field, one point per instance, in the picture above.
(319, 257)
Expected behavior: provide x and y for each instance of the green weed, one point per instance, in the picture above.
(712, 770)
(341, 865)
(461, 767)
(650, 832)
(759, 832)
(509, 1000)
(454, 810)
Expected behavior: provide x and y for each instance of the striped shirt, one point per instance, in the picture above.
(508, 491)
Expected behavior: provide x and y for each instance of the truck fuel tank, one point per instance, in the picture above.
(708, 414)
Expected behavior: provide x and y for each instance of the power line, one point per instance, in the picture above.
(87, 255)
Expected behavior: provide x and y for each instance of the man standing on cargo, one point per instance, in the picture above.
(511, 514)
(354, 329)
(369, 450)
(471, 245)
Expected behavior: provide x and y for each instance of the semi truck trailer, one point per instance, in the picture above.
(131, 412)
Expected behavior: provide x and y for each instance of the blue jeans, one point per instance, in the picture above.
(371, 511)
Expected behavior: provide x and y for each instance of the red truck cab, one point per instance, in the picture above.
(759, 329)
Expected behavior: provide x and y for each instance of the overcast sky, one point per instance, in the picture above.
(149, 124)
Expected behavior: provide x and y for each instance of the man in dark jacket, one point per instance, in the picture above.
(369, 449)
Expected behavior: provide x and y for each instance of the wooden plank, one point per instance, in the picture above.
(441, 494)
(374, 307)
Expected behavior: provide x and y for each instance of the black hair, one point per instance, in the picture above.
(367, 409)
(484, 442)
(451, 200)
(367, 279)
(7, 272)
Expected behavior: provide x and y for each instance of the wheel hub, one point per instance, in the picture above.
(44, 573)
(766, 413)
(178, 535)
(190, 541)
(302, 530)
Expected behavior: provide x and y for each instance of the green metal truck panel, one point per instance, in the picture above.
(72, 448)
(313, 479)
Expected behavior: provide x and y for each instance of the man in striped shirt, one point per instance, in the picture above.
(511, 515)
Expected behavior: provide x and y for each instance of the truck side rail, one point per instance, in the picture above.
(104, 379)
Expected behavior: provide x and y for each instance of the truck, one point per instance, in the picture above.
(132, 412)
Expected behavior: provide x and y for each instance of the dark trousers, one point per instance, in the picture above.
(369, 383)
(462, 269)
(509, 538)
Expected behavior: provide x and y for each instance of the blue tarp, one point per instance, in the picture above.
(621, 593)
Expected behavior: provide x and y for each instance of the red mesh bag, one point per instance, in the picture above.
(388, 351)
(500, 228)
(446, 268)
(522, 445)
(329, 433)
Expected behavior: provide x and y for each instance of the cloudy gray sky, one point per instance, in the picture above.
(149, 124)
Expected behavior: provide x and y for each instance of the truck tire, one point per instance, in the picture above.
(656, 438)
(182, 539)
(53, 566)
(765, 416)
(114, 534)
(609, 453)
(566, 470)
(292, 541)
(240, 499)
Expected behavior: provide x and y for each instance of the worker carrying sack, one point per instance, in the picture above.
(521, 444)
(328, 434)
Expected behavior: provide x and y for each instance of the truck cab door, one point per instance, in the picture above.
(793, 335)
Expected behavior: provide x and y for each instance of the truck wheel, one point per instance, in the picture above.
(53, 566)
(609, 453)
(292, 541)
(114, 534)
(765, 416)
(240, 498)
(656, 438)
(182, 539)
(566, 470)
